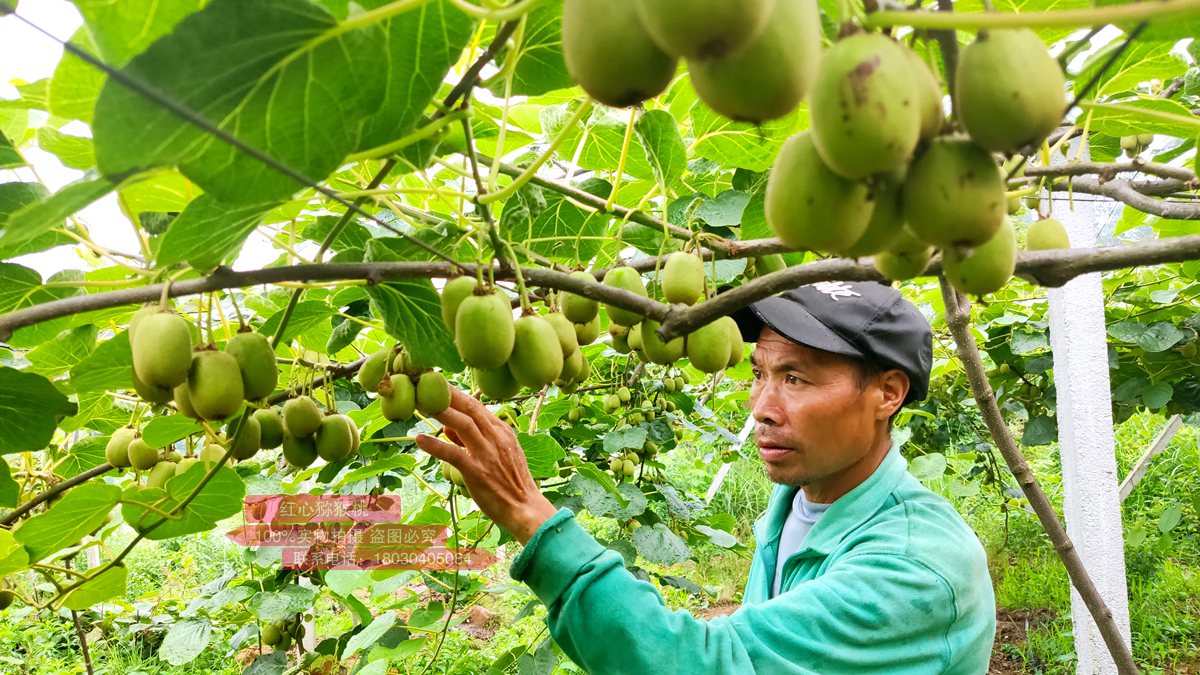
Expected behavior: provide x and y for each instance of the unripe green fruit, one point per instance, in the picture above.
(172, 455)
(256, 360)
(886, 221)
(433, 393)
(452, 474)
(669, 385)
(770, 75)
(1189, 351)
(214, 385)
(455, 291)
(656, 350)
(150, 393)
(708, 347)
(485, 332)
(160, 474)
(586, 333)
(636, 418)
(270, 425)
(628, 279)
(1047, 234)
(1013, 205)
(497, 383)
(1145, 140)
(163, 352)
(929, 96)
(141, 455)
(987, 268)
(398, 398)
(804, 196)
(908, 257)
(611, 403)
(865, 107)
(335, 438)
(575, 414)
(139, 316)
(184, 464)
(565, 330)
(610, 55)
(1129, 144)
(737, 349)
(7, 598)
(703, 29)
(953, 195)
(300, 452)
(683, 278)
(537, 356)
(578, 308)
(1008, 90)
(620, 344)
(116, 452)
(301, 417)
(211, 453)
(616, 465)
(250, 440)
(372, 370)
(401, 363)
(629, 468)
(624, 395)
(572, 367)
(766, 264)
(271, 634)
(680, 383)
(634, 337)
(183, 402)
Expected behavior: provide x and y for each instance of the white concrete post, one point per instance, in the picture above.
(1084, 408)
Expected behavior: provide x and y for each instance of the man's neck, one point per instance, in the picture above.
(831, 488)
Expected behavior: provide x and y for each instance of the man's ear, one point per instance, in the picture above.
(893, 388)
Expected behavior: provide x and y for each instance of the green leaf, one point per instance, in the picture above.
(76, 83)
(164, 430)
(621, 439)
(274, 605)
(75, 152)
(928, 468)
(109, 367)
(15, 196)
(30, 408)
(1140, 62)
(38, 217)
(1170, 518)
(185, 640)
(13, 556)
(1157, 395)
(724, 210)
(1144, 116)
(542, 452)
(411, 311)
(370, 635)
(9, 157)
(21, 287)
(427, 615)
(10, 492)
(741, 145)
(208, 232)
(562, 230)
(660, 545)
(718, 537)
(123, 29)
(83, 455)
(1129, 390)
(345, 582)
(540, 67)
(81, 510)
(624, 501)
(659, 132)
(421, 46)
(59, 355)
(104, 586)
(1039, 430)
(221, 498)
(306, 316)
(281, 75)
(605, 129)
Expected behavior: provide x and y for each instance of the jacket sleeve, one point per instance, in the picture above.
(871, 612)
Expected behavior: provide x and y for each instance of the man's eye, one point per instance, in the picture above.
(792, 379)
(756, 373)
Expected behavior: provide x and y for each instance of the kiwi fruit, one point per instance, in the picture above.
(626, 279)
(683, 278)
(335, 438)
(270, 425)
(433, 393)
(271, 634)
(214, 385)
(586, 333)
(987, 268)
(610, 54)
(929, 96)
(151, 393)
(737, 349)
(300, 452)
(865, 107)
(162, 354)
(453, 293)
(182, 466)
(769, 77)
(485, 332)
(572, 368)
(537, 356)
(159, 474)
(373, 369)
(211, 453)
(496, 383)
(565, 330)
(183, 402)
(7, 598)
(256, 360)
(1046, 234)
(907, 258)
(703, 29)
(116, 451)
(953, 194)
(577, 308)
(804, 196)
(664, 353)
(301, 417)
(398, 398)
(1008, 90)
(886, 221)
(250, 441)
(708, 347)
(139, 316)
(141, 455)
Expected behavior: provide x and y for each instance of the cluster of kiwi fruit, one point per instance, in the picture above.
(710, 348)
(403, 388)
(1134, 145)
(207, 383)
(279, 635)
(308, 433)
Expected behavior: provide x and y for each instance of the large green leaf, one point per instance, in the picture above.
(10, 492)
(124, 28)
(1144, 116)
(207, 232)
(739, 144)
(411, 311)
(281, 75)
(542, 453)
(164, 430)
(109, 367)
(86, 454)
(75, 152)
(605, 128)
(9, 157)
(1140, 62)
(15, 196)
(29, 411)
(659, 132)
(540, 67)
(38, 217)
(104, 586)
(220, 499)
(559, 229)
(22, 287)
(60, 354)
(660, 545)
(185, 641)
(421, 44)
(76, 83)
(81, 510)
(13, 556)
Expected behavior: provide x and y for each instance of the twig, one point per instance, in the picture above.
(17, 513)
(1137, 194)
(958, 319)
(1110, 171)
(1067, 18)
(333, 372)
(83, 645)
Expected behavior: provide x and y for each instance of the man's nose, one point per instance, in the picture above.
(765, 405)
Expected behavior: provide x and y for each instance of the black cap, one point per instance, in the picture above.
(865, 320)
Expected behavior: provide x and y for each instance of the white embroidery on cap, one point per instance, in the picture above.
(836, 289)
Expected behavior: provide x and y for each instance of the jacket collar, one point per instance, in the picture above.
(844, 515)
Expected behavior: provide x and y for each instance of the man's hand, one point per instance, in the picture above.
(492, 464)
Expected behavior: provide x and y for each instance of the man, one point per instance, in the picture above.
(858, 568)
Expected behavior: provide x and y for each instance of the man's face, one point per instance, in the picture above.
(815, 426)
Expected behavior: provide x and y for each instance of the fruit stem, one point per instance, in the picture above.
(522, 292)
(532, 169)
(413, 137)
(237, 310)
(620, 174)
(501, 14)
(1071, 18)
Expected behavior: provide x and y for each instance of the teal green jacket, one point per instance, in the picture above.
(890, 580)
